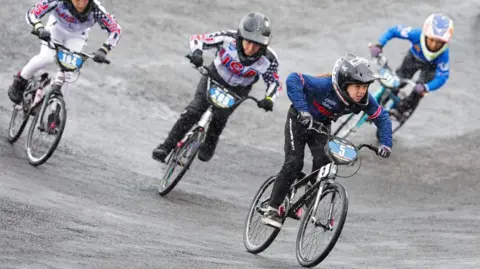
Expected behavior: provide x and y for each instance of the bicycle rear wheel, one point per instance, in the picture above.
(350, 125)
(408, 113)
(54, 125)
(188, 150)
(254, 226)
(18, 121)
(325, 221)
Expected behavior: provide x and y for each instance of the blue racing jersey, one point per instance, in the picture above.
(317, 96)
(441, 62)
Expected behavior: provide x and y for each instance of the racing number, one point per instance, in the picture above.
(221, 97)
(342, 150)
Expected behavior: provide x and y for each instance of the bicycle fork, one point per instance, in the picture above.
(203, 124)
(54, 89)
(327, 174)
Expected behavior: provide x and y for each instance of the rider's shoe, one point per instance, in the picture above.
(15, 91)
(160, 153)
(272, 218)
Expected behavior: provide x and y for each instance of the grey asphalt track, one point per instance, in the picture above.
(95, 204)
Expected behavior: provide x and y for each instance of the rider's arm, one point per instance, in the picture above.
(399, 31)
(442, 73)
(210, 40)
(381, 119)
(107, 22)
(271, 77)
(42, 7)
(298, 84)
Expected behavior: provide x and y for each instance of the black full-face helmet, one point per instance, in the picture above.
(254, 27)
(351, 69)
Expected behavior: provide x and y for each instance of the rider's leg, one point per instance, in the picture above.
(295, 140)
(410, 65)
(426, 75)
(192, 114)
(75, 42)
(44, 58)
(218, 123)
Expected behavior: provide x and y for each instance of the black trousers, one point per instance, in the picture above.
(296, 137)
(410, 65)
(194, 110)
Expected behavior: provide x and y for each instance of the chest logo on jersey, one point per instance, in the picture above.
(234, 66)
(65, 15)
(322, 109)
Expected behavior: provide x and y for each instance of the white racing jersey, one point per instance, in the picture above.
(70, 23)
(228, 64)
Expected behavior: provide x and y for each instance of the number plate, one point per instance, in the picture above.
(390, 80)
(342, 151)
(221, 98)
(69, 60)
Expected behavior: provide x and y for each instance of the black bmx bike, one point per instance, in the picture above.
(182, 156)
(325, 200)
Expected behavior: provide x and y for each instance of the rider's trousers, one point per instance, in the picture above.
(194, 110)
(410, 65)
(72, 40)
(296, 137)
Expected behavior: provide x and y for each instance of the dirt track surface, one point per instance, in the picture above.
(94, 204)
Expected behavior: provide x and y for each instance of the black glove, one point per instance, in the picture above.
(305, 118)
(100, 55)
(43, 34)
(197, 58)
(266, 104)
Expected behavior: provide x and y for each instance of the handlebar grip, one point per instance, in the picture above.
(106, 61)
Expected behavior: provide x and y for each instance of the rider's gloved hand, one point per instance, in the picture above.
(266, 104)
(420, 89)
(100, 55)
(197, 58)
(43, 34)
(384, 151)
(305, 118)
(375, 50)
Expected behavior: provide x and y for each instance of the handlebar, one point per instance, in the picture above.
(204, 70)
(57, 46)
(322, 129)
(382, 61)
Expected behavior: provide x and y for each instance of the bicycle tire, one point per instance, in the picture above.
(12, 138)
(250, 247)
(36, 162)
(196, 137)
(405, 120)
(301, 230)
(362, 114)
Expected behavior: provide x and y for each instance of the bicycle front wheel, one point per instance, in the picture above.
(180, 160)
(326, 225)
(54, 120)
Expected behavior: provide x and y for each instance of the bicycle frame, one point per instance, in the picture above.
(204, 123)
(324, 176)
(69, 63)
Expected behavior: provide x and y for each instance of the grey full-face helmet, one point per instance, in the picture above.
(254, 27)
